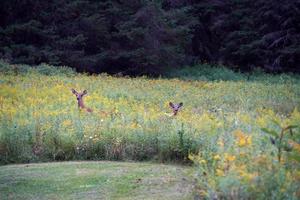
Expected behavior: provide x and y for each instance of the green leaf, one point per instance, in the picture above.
(291, 127)
(271, 132)
(276, 122)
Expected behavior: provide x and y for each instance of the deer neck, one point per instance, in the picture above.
(81, 104)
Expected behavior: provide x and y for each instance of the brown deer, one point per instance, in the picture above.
(79, 96)
(175, 107)
(81, 106)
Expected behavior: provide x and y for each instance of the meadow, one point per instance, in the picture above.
(241, 131)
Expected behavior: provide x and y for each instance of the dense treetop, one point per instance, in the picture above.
(151, 37)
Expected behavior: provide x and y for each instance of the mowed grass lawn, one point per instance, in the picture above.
(95, 180)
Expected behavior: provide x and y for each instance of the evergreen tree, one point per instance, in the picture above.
(150, 37)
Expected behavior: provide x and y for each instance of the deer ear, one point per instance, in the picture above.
(84, 92)
(74, 91)
(180, 104)
(171, 104)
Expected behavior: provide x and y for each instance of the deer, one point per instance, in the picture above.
(81, 106)
(175, 107)
(79, 97)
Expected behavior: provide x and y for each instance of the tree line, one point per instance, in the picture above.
(151, 36)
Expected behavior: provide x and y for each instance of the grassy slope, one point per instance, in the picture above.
(94, 180)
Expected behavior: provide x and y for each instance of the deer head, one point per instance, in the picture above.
(175, 107)
(79, 97)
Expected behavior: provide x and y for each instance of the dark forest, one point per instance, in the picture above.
(151, 37)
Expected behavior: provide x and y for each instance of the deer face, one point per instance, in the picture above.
(79, 95)
(175, 107)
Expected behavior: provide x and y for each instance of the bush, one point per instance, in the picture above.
(207, 72)
(42, 69)
(49, 70)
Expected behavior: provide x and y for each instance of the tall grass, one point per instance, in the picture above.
(219, 127)
(208, 72)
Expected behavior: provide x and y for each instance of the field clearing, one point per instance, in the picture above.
(94, 180)
(242, 134)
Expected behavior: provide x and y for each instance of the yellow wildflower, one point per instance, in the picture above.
(295, 145)
(242, 139)
(135, 125)
(67, 123)
(229, 157)
(217, 157)
(248, 176)
(191, 157)
(202, 161)
(219, 172)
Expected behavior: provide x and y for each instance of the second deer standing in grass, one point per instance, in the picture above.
(79, 97)
(175, 107)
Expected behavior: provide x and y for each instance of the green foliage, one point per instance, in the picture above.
(248, 34)
(207, 72)
(284, 140)
(131, 37)
(136, 37)
(49, 70)
(42, 69)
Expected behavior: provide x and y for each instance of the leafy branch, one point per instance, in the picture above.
(280, 139)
